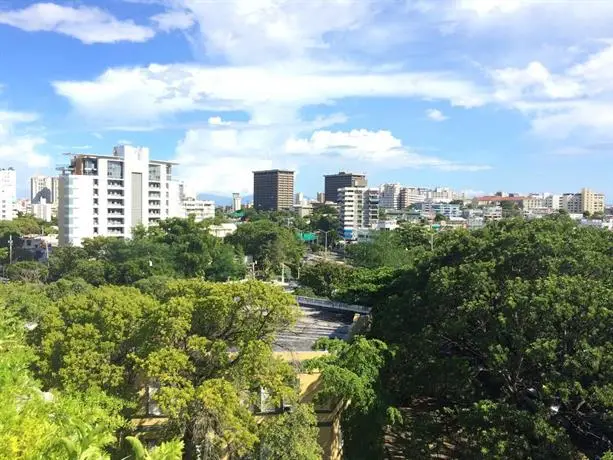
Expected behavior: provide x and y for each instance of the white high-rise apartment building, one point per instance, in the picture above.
(236, 202)
(389, 198)
(44, 188)
(358, 209)
(108, 195)
(8, 193)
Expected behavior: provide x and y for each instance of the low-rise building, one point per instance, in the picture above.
(365, 235)
(222, 230)
(431, 209)
(200, 209)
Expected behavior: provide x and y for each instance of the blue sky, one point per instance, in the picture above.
(479, 95)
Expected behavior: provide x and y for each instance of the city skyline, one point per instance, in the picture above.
(483, 96)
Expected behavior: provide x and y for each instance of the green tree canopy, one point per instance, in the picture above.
(270, 244)
(503, 346)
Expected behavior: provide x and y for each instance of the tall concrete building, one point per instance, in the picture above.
(108, 195)
(358, 209)
(334, 182)
(390, 196)
(591, 201)
(236, 202)
(44, 188)
(273, 190)
(584, 201)
(8, 193)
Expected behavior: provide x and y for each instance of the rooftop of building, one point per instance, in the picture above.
(313, 325)
(343, 173)
(500, 198)
(268, 171)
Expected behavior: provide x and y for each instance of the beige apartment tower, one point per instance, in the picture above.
(273, 190)
(592, 202)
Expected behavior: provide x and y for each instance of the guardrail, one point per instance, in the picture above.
(331, 305)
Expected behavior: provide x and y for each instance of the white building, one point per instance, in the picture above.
(200, 209)
(358, 209)
(553, 201)
(236, 202)
(299, 199)
(8, 193)
(44, 188)
(412, 195)
(42, 210)
(444, 195)
(108, 195)
(389, 197)
(430, 209)
(222, 230)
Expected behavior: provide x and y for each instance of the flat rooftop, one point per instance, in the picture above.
(313, 325)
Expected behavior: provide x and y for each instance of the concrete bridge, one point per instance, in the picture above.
(331, 305)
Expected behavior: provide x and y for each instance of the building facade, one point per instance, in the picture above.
(200, 209)
(44, 188)
(431, 209)
(334, 182)
(8, 193)
(389, 197)
(236, 202)
(358, 209)
(591, 201)
(108, 195)
(273, 190)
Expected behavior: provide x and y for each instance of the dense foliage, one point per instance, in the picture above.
(501, 342)
(200, 351)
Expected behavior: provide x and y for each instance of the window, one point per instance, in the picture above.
(153, 408)
(115, 169)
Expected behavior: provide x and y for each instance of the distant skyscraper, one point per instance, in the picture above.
(321, 197)
(273, 190)
(43, 188)
(236, 202)
(8, 193)
(299, 199)
(333, 182)
(108, 195)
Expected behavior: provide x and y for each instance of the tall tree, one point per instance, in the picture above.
(502, 343)
(271, 245)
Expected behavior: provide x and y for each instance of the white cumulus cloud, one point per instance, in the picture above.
(435, 115)
(173, 20)
(378, 147)
(87, 24)
(17, 146)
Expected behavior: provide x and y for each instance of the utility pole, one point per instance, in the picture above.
(326, 242)
(10, 249)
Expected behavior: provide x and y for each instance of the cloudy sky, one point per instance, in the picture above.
(480, 95)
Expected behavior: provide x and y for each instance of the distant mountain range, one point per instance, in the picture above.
(221, 200)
